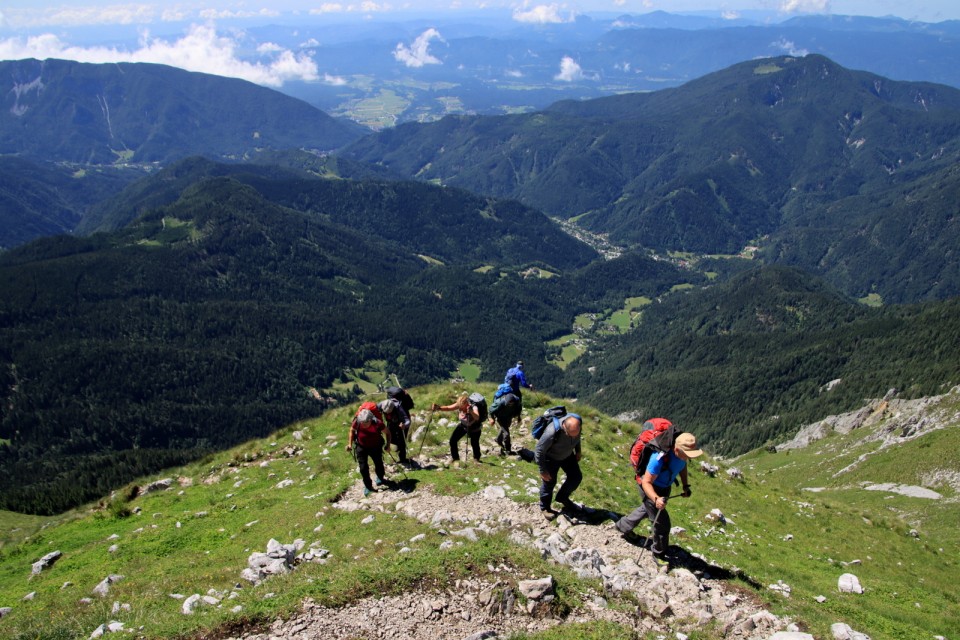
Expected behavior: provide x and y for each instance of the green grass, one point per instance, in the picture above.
(469, 370)
(230, 508)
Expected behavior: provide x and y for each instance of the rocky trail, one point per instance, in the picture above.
(674, 599)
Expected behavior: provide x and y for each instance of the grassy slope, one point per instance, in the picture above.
(222, 522)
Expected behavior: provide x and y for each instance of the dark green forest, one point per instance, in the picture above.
(204, 323)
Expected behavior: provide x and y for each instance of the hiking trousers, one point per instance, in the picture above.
(571, 468)
(364, 455)
(398, 436)
(458, 433)
(503, 437)
(661, 531)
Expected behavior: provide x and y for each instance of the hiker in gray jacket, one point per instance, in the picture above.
(559, 449)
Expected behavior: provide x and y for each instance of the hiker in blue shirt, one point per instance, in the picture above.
(559, 449)
(655, 486)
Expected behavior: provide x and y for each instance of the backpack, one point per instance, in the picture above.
(503, 390)
(369, 437)
(656, 439)
(400, 395)
(477, 400)
(550, 415)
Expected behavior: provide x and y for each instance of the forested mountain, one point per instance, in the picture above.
(39, 199)
(750, 360)
(759, 149)
(205, 321)
(144, 113)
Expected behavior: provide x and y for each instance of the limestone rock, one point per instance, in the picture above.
(46, 562)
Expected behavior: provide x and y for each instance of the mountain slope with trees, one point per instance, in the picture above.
(748, 361)
(206, 321)
(40, 199)
(148, 113)
(714, 165)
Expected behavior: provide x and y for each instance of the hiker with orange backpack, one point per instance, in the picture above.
(366, 442)
(659, 458)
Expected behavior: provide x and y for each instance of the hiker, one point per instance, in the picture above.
(517, 380)
(365, 430)
(471, 422)
(504, 409)
(559, 449)
(398, 422)
(655, 484)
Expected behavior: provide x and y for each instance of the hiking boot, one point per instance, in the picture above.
(378, 482)
(660, 560)
(455, 464)
(367, 492)
(548, 514)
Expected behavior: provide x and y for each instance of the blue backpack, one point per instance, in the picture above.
(502, 390)
(551, 415)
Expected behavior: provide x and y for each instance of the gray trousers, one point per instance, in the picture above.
(661, 530)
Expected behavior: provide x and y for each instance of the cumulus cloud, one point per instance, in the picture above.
(570, 71)
(416, 55)
(788, 47)
(805, 6)
(337, 81)
(201, 49)
(541, 14)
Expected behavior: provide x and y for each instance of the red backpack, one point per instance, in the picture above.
(652, 428)
(368, 437)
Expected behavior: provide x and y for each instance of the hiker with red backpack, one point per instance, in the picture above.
(366, 442)
(660, 456)
(472, 411)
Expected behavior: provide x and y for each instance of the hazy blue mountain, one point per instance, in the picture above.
(143, 113)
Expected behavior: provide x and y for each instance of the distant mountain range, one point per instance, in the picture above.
(143, 113)
(497, 68)
(796, 155)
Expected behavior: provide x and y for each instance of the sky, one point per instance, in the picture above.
(208, 38)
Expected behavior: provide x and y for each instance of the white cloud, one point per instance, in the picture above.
(337, 81)
(416, 55)
(328, 7)
(788, 47)
(113, 14)
(513, 73)
(805, 6)
(541, 14)
(312, 42)
(201, 49)
(269, 47)
(570, 71)
(225, 14)
(730, 14)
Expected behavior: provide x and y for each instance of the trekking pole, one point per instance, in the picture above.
(653, 530)
(394, 460)
(426, 431)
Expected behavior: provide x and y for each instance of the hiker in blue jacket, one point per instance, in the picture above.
(559, 449)
(655, 486)
(517, 379)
